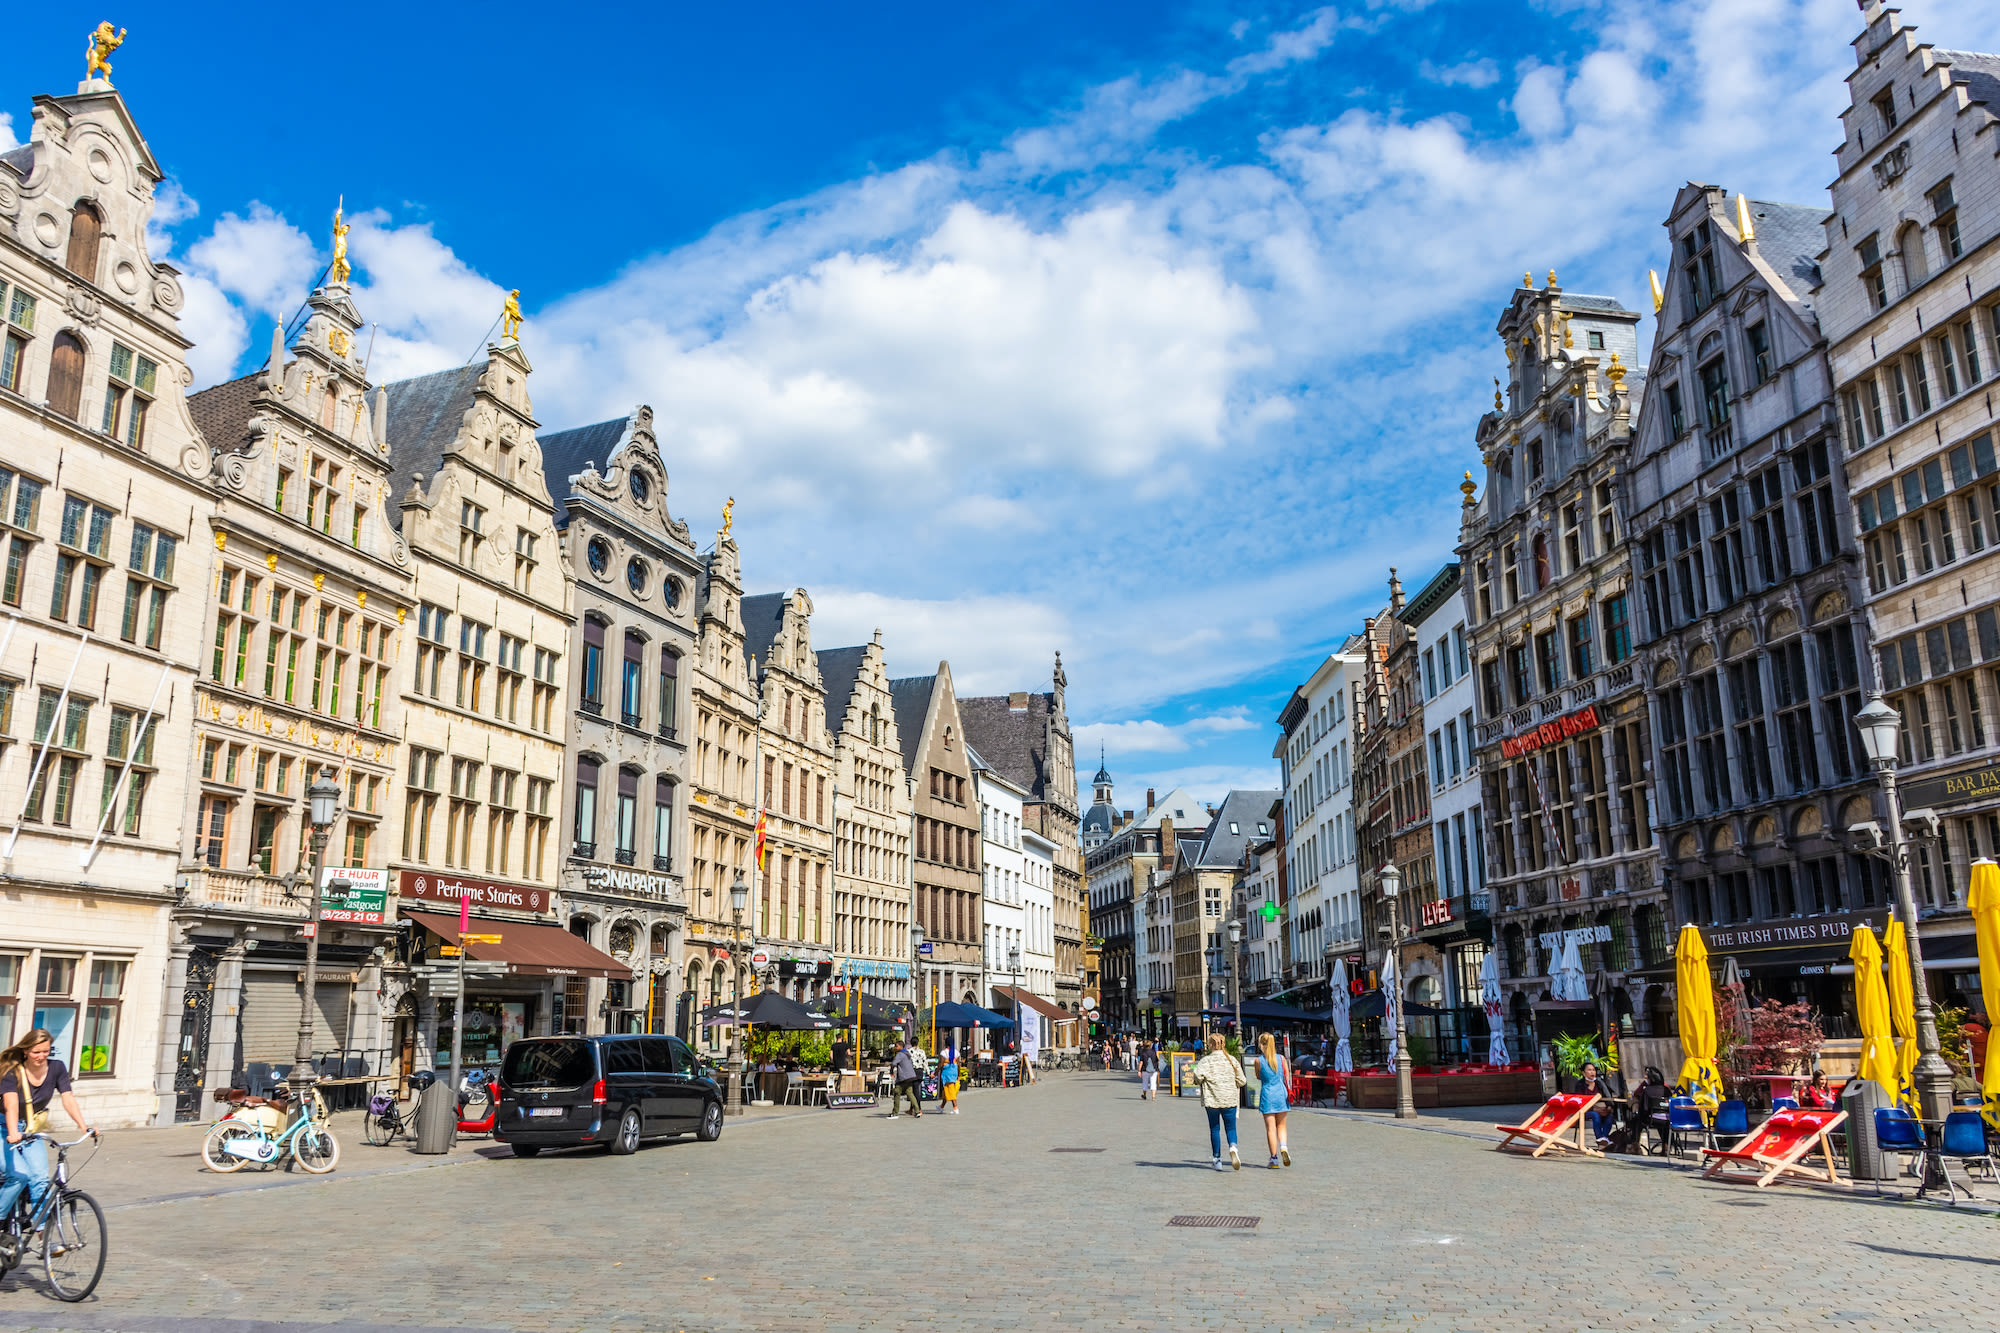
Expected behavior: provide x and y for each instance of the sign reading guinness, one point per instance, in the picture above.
(1960, 788)
(1549, 733)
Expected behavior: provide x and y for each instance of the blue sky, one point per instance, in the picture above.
(1150, 332)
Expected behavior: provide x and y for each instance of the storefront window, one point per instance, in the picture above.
(10, 994)
(100, 1018)
(491, 1025)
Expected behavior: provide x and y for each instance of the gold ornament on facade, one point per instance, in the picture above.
(401, 611)
(1615, 373)
(1569, 339)
(271, 561)
(1497, 404)
(319, 580)
(361, 597)
(510, 316)
(1659, 292)
(1528, 280)
(104, 39)
(1746, 230)
(728, 515)
(338, 270)
(1552, 277)
(221, 540)
(339, 341)
(1468, 488)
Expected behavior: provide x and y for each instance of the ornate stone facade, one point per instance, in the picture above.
(945, 815)
(871, 856)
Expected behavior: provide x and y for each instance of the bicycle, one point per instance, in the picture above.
(386, 1120)
(233, 1143)
(71, 1225)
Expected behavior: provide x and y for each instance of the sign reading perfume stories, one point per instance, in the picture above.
(486, 894)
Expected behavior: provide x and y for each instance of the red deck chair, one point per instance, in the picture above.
(1559, 1124)
(1775, 1150)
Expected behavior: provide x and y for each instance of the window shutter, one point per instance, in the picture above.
(66, 376)
(85, 228)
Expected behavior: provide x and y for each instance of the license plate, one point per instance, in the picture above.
(545, 1110)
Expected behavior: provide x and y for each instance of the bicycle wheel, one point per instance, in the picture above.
(211, 1147)
(380, 1130)
(73, 1243)
(315, 1149)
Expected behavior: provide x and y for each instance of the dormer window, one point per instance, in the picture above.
(1759, 338)
(1698, 263)
(1885, 107)
(86, 229)
(1535, 459)
(1595, 340)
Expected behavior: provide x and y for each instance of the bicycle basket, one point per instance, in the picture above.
(381, 1104)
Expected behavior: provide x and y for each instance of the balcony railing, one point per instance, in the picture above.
(594, 707)
(663, 864)
(583, 851)
(1618, 677)
(243, 888)
(666, 732)
(630, 719)
(625, 856)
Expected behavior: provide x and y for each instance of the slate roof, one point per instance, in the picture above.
(22, 159)
(1790, 237)
(425, 414)
(565, 452)
(912, 699)
(763, 617)
(1606, 303)
(221, 412)
(1244, 809)
(1098, 818)
(1978, 71)
(839, 668)
(1013, 743)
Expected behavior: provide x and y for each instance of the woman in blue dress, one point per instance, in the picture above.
(1274, 1079)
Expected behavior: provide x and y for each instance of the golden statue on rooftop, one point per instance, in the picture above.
(510, 316)
(728, 515)
(104, 39)
(338, 270)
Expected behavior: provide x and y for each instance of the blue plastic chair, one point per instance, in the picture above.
(1899, 1132)
(1964, 1140)
(1683, 1119)
(1732, 1122)
(1784, 1104)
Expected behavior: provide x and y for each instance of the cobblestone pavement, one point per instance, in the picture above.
(848, 1220)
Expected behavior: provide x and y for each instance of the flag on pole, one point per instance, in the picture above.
(760, 840)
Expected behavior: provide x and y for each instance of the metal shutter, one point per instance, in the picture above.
(270, 1017)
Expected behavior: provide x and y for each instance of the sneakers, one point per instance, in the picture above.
(1285, 1153)
(894, 1116)
(1218, 1164)
(1603, 1142)
(1273, 1164)
(1235, 1162)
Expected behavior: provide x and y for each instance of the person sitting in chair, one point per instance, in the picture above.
(1600, 1119)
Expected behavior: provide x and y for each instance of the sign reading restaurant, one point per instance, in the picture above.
(1549, 733)
(486, 895)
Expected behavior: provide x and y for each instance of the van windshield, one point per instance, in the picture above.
(559, 1063)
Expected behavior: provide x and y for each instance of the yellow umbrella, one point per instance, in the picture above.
(1695, 999)
(1902, 1009)
(1985, 904)
(1871, 1007)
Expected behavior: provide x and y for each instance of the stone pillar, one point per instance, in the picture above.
(167, 1062)
(1607, 742)
(225, 1016)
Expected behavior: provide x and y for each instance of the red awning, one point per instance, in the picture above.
(1024, 996)
(527, 949)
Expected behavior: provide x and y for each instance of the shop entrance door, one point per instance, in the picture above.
(197, 1009)
(406, 1046)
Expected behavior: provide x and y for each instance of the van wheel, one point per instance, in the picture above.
(626, 1142)
(527, 1150)
(711, 1123)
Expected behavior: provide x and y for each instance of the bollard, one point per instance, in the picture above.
(437, 1119)
(1864, 1160)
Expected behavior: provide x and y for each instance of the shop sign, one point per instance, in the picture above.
(805, 967)
(637, 883)
(1786, 934)
(486, 895)
(364, 898)
(1437, 913)
(1553, 940)
(1964, 786)
(849, 1101)
(1549, 733)
(759, 957)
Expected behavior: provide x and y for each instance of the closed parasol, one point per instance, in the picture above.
(1489, 995)
(1871, 1011)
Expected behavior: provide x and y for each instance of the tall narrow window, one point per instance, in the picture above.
(593, 665)
(631, 687)
(66, 376)
(627, 834)
(86, 228)
(663, 824)
(669, 693)
(586, 807)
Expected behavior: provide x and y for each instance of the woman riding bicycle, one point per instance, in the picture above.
(29, 1081)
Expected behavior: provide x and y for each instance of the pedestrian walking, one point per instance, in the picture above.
(904, 1071)
(1274, 1081)
(1220, 1078)
(1149, 1073)
(948, 1081)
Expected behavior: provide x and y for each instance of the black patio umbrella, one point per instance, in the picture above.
(767, 1009)
(877, 1014)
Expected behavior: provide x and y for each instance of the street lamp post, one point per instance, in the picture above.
(1235, 984)
(1014, 970)
(739, 902)
(324, 802)
(1406, 1105)
(1880, 726)
(917, 976)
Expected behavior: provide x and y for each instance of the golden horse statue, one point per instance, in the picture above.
(103, 41)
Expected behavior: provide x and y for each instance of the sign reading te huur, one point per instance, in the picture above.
(484, 893)
(363, 895)
(1550, 732)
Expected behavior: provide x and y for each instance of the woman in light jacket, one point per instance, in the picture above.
(1220, 1078)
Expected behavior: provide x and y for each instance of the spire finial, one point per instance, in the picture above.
(1659, 292)
(1468, 488)
(1497, 404)
(1552, 277)
(1745, 228)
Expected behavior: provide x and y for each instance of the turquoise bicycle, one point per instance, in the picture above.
(70, 1226)
(245, 1136)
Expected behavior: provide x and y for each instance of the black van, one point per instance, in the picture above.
(565, 1092)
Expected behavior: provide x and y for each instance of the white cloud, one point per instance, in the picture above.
(1147, 736)
(995, 644)
(1480, 73)
(262, 261)
(7, 139)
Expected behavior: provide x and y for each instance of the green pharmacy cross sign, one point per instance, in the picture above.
(1270, 910)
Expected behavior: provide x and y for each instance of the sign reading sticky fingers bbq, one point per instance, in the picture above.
(1550, 733)
(486, 895)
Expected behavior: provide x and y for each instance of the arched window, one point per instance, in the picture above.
(86, 228)
(1910, 245)
(328, 404)
(631, 686)
(66, 376)
(1543, 575)
(663, 824)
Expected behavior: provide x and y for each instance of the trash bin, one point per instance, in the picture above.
(437, 1119)
(1865, 1161)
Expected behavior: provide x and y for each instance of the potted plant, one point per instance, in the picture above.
(1572, 1052)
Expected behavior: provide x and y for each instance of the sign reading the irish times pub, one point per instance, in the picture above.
(1549, 733)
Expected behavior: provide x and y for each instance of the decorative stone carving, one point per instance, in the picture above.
(1808, 823)
(1829, 606)
(167, 294)
(1740, 642)
(1782, 623)
(83, 304)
